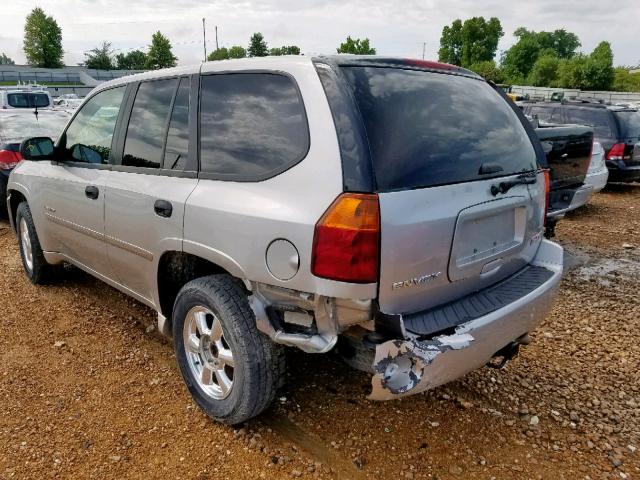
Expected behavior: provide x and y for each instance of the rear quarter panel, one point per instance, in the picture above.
(233, 223)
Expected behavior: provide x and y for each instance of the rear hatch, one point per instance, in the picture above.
(568, 151)
(629, 121)
(461, 199)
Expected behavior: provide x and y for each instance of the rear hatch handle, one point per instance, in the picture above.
(504, 187)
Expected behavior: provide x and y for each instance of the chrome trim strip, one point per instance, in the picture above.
(116, 242)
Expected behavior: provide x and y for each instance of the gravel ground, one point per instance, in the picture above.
(89, 390)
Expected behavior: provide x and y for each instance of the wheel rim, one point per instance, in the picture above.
(25, 240)
(208, 354)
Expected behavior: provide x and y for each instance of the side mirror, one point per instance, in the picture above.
(37, 148)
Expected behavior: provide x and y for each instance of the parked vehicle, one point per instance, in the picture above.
(568, 150)
(617, 129)
(598, 174)
(15, 126)
(67, 102)
(25, 96)
(291, 201)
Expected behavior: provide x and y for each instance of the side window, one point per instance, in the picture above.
(596, 118)
(88, 137)
(176, 154)
(147, 124)
(252, 125)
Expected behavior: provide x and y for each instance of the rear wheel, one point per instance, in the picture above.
(35, 265)
(230, 368)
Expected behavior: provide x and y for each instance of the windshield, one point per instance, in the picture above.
(426, 129)
(630, 123)
(28, 100)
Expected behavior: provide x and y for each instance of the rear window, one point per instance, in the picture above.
(629, 123)
(596, 118)
(427, 129)
(252, 125)
(28, 100)
(547, 114)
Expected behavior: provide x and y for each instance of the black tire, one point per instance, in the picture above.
(40, 271)
(258, 368)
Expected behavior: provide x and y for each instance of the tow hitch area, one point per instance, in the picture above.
(504, 355)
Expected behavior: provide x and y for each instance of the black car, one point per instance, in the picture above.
(616, 127)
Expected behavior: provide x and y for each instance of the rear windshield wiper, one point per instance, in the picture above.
(504, 187)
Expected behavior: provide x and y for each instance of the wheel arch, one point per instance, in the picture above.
(15, 197)
(177, 268)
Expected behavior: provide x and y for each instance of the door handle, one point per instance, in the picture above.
(92, 192)
(163, 208)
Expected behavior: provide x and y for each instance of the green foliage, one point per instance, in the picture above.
(588, 72)
(221, 53)
(160, 54)
(284, 50)
(237, 52)
(356, 47)
(5, 60)
(625, 81)
(100, 58)
(257, 46)
(134, 60)
(488, 70)
(42, 40)
(471, 42)
(519, 60)
(451, 44)
(544, 71)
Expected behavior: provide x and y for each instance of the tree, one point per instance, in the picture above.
(218, 54)
(237, 52)
(100, 58)
(488, 70)
(544, 72)
(625, 81)
(160, 54)
(451, 44)
(284, 50)
(598, 68)
(4, 60)
(471, 42)
(356, 47)
(257, 46)
(42, 40)
(520, 58)
(134, 60)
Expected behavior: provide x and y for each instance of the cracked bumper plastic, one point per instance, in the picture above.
(406, 367)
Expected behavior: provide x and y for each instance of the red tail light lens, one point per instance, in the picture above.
(9, 159)
(616, 152)
(547, 189)
(346, 240)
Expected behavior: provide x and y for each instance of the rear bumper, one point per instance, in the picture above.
(597, 180)
(406, 367)
(620, 172)
(580, 197)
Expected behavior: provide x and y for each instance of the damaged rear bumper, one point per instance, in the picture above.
(405, 367)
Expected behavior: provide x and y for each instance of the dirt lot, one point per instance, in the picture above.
(89, 390)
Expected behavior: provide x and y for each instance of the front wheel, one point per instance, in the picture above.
(35, 265)
(230, 368)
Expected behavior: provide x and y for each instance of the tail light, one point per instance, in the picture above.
(346, 240)
(547, 189)
(9, 159)
(616, 152)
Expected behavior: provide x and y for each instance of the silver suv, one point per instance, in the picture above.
(390, 208)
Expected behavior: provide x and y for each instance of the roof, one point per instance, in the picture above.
(18, 124)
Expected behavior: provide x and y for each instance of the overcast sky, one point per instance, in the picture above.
(394, 28)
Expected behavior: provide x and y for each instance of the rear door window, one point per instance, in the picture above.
(252, 125)
(427, 129)
(599, 119)
(629, 123)
(176, 152)
(148, 124)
